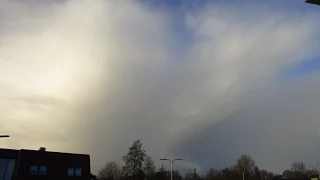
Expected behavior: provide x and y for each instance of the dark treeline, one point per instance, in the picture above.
(140, 166)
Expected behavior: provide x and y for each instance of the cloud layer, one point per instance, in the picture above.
(93, 76)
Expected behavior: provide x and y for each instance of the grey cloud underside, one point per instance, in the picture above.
(121, 81)
(277, 126)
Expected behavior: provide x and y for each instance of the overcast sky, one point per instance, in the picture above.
(203, 81)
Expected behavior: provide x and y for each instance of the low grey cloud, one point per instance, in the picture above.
(278, 125)
(109, 71)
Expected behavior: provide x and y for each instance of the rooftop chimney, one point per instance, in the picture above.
(42, 149)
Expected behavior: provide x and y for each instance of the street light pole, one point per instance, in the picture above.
(171, 162)
(242, 175)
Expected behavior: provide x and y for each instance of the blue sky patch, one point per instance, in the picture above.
(302, 68)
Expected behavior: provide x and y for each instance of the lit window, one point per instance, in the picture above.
(42, 170)
(70, 171)
(78, 172)
(33, 170)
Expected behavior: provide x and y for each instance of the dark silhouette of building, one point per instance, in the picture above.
(31, 164)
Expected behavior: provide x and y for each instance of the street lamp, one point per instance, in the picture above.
(4, 136)
(317, 2)
(171, 161)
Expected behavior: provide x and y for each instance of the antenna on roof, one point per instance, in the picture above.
(42, 149)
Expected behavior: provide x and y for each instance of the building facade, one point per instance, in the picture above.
(32, 165)
(8, 159)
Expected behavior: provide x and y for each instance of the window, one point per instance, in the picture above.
(34, 170)
(74, 171)
(3, 165)
(10, 169)
(78, 172)
(6, 168)
(70, 171)
(42, 170)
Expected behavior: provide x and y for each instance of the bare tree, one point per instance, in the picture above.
(149, 167)
(111, 171)
(192, 175)
(135, 158)
(314, 169)
(266, 175)
(287, 174)
(318, 166)
(257, 173)
(298, 167)
(162, 174)
(246, 165)
(176, 175)
(212, 174)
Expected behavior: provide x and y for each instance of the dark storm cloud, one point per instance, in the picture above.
(277, 126)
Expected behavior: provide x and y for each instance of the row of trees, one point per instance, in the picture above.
(140, 166)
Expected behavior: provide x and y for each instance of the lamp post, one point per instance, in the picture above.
(242, 175)
(316, 2)
(171, 162)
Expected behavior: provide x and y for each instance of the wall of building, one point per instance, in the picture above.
(44, 165)
(8, 159)
(57, 165)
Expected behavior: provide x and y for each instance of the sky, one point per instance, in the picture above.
(206, 81)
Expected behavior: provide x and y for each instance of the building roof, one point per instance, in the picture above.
(53, 152)
(14, 152)
(9, 153)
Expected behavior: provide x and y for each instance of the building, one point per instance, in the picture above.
(314, 177)
(8, 159)
(43, 165)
